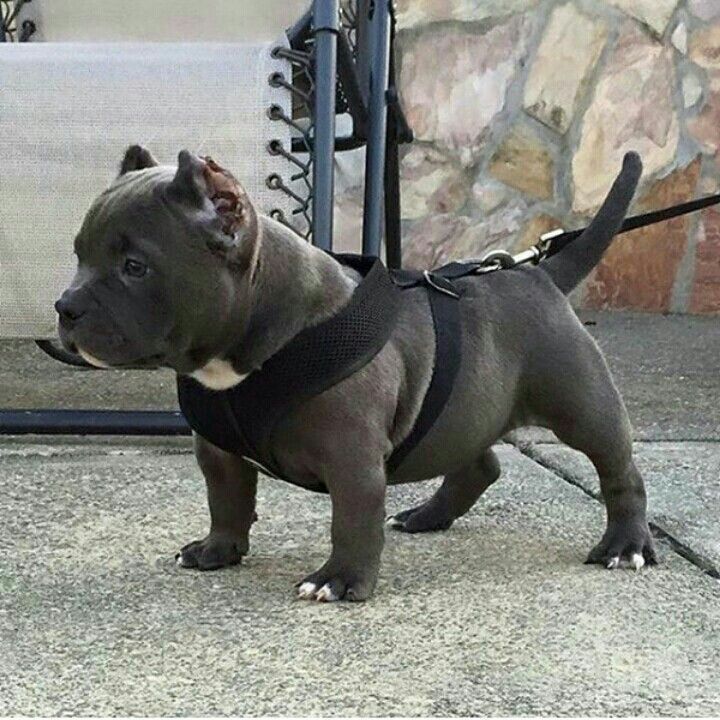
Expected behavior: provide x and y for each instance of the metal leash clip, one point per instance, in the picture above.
(538, 251)
(502, 259)
(494, 260)
(546, 239)
(532, 255)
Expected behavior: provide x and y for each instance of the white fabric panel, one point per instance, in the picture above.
(161, 20)
(68, 112)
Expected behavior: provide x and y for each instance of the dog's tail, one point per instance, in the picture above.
(571, 265)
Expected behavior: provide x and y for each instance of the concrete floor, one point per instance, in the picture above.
(497, 616)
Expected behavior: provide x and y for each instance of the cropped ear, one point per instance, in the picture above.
(201, 180)
(189, 184)
(137, 158)
(231, 202)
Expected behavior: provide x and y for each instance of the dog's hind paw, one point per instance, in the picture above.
(635, 562)
(624, 547)
(423, 518)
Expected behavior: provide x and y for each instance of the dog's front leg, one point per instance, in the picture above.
(358, 519)
(231, 488)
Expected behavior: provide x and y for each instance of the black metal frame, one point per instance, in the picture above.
(352, 70)
(344, 58)
(9, 32)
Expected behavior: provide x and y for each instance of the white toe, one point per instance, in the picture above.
(180, 561)
(325, 594)
(637, 561)
(393, 522)
(307, 591)
(613, 563)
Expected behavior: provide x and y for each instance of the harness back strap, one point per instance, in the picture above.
(445, 307)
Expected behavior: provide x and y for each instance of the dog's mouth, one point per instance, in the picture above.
(90, 359)
(113, 358)
(147, 362)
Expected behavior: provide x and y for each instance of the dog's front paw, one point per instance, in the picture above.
(212, 553)
(627, 544)
(325, 586)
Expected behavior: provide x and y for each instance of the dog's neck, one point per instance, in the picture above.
(295, 286)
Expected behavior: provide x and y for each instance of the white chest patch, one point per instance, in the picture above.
(217, 375)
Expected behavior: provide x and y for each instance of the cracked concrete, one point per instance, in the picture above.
(497, 616)
(682, 484)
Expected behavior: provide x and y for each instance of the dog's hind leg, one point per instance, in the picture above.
(577, 399)
(457, 494)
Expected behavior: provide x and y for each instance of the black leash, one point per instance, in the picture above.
(556, 242)
(549, 244)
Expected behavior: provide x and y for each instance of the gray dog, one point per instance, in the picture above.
(176, 269)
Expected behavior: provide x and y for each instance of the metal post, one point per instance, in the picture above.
(393, 235)
(379, 37)
(92, 422)
(350, 81)
(362, 46)
(326, 21)
(393, 243)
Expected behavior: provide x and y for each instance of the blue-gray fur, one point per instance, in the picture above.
(527, 360)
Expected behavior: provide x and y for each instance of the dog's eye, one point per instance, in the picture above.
(134, 268)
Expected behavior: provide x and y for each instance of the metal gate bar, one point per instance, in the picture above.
(92, 422)
(326, 20)
(379, 47)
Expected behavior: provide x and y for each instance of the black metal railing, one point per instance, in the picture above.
(9, 31)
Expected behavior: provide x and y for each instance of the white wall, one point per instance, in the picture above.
(162, 20)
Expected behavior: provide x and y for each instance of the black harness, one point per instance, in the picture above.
(241, 420)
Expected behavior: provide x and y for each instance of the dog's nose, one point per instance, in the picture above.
(68, 307)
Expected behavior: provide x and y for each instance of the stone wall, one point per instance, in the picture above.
(523, 110)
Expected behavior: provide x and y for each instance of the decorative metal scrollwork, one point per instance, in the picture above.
(300, 120)
(9, 31)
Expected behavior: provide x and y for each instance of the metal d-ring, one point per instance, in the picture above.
(431, 282)
(502, 258)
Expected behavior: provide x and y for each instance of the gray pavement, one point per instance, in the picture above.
(496, 616)
(30, 379)
(668, 369)
(683, 484)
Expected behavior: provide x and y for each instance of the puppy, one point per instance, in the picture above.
(177, 269)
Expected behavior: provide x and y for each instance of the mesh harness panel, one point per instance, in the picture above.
(241, 420)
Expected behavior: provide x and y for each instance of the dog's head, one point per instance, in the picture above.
(166, 258)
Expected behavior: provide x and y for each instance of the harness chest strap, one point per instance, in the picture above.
(241, 420)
